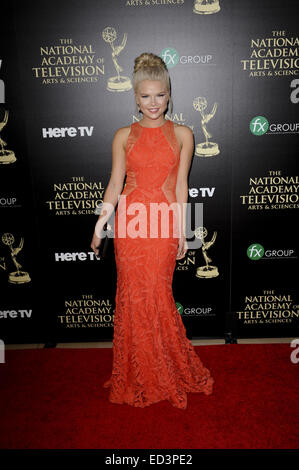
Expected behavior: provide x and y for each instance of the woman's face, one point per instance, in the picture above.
(152, 97)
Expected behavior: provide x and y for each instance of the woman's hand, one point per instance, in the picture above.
(95, 244)
(182, 248)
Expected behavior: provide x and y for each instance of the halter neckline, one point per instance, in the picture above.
(158, 127)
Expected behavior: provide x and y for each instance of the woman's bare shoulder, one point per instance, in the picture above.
(182, 133)
(123, 130)
(122, 133)
(182, 128)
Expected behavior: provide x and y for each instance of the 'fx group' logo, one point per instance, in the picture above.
(255, 251)
(170, 56)
(259, 125)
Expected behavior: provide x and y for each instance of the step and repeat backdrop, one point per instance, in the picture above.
(66, 87)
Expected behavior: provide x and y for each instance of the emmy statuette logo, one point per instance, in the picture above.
(6, 156)
(205, 149)
(207, 271)
(119, 82)
(19, 276)
(206, 7)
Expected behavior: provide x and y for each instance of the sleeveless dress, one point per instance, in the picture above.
(153, 360)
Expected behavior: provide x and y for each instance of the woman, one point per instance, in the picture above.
(152, 358)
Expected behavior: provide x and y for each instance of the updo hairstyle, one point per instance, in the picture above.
(149, 66)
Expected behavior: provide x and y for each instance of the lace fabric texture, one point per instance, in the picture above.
(153, 359)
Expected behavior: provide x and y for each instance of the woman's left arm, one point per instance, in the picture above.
(187, 140)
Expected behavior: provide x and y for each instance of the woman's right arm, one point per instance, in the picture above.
(114, 186)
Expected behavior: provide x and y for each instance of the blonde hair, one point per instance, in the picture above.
(149, 66)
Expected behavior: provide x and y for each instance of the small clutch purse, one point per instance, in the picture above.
(106, 242)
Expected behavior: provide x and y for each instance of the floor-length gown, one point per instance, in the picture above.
(153, 359)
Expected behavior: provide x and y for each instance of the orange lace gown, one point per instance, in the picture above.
(153, 359)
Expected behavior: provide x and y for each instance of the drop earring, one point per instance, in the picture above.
(137, 108)
(170, 106)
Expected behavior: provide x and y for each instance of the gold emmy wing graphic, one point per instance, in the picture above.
(205, 149)
(118, 83)
(206, 7)
(206, 271)
(18, 276)
(6, 156)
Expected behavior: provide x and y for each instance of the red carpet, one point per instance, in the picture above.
(54, 399)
